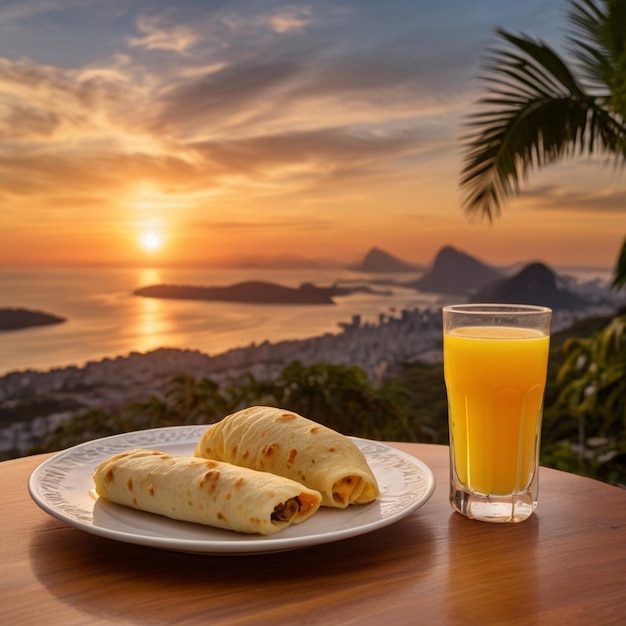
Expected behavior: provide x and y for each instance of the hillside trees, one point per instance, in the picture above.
(338, 396)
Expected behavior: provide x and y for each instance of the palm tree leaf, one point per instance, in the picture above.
(542, 59)
(620, 273)
(602, 29)
(535, 113)
(598, 43)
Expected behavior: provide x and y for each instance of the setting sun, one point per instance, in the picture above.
(151, 241)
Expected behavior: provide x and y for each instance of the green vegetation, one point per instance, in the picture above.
(592, 392)
(584, 418)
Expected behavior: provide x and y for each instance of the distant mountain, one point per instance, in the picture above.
(456, 272)
(378, 261)
(534, 284)
(17, 319)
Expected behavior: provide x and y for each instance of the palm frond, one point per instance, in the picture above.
(620, 271)
(598, 43)
(534, 113)
(601, 24)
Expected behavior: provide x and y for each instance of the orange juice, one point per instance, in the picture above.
(495, 380)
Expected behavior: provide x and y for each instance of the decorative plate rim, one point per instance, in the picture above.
(62, 487)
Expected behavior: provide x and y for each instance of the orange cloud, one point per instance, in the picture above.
(286, 129)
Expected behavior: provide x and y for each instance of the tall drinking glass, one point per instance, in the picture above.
(495, 360)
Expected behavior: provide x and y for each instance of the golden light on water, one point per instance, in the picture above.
(150, 322)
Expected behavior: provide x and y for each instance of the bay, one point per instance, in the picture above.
(105, 320)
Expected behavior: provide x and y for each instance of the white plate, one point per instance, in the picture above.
(63, 487)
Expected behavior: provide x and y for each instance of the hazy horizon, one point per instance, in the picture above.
(294, 262)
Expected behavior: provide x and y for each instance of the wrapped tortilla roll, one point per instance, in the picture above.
(204, 491)
(285, 443)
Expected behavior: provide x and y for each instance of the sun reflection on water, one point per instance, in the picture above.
(152, 323)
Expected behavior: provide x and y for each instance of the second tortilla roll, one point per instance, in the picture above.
(274, 440)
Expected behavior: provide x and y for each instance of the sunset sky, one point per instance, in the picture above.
(204, 133)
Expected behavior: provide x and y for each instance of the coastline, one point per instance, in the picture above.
(378, 348)
(372, 346)
(105, 320)
(114, 382)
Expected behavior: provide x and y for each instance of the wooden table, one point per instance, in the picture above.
(565, 565)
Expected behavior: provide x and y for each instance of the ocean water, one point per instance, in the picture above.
(104, 319)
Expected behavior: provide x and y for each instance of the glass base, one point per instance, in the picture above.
(497, 509)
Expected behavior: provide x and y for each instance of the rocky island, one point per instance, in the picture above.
(18, 319)
(254, 292)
